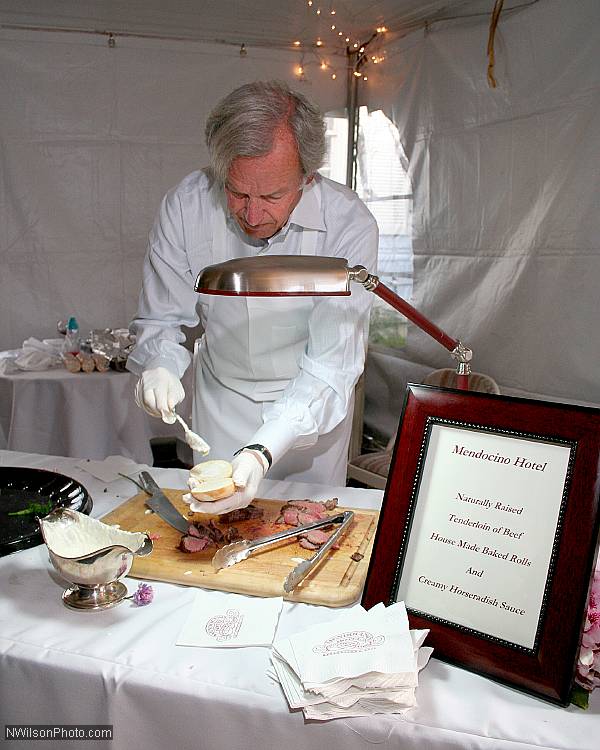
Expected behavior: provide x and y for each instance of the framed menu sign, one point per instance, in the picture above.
(488, 532)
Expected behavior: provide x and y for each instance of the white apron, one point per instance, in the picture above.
(248, 354)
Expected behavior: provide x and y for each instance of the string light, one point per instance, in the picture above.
(354, 50)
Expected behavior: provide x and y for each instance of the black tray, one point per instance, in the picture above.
(19, 487)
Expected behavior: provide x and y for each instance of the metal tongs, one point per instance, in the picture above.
(238, 551)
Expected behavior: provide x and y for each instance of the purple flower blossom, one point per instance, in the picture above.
(144, 595)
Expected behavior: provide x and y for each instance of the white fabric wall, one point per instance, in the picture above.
(90, 139)
(507, 217)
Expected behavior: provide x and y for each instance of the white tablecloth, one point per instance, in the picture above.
(84, 415)
(122, 667)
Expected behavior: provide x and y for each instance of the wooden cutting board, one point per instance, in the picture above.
(336, 582)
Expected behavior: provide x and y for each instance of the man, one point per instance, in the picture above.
(273, 377)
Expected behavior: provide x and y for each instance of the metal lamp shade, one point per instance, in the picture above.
(275, 276)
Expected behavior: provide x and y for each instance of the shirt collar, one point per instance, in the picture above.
(307, 213)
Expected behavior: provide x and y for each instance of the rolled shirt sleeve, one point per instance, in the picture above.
(167, 300)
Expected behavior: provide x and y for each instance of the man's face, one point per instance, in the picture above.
(263, 191)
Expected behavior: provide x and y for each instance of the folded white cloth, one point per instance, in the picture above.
(35, 355)
(230, 620)
(110, 469)
(364, 662)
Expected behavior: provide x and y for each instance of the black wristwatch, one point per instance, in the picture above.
(261, 449)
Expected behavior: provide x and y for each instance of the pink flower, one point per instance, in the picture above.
(144, 595)
(588, 663)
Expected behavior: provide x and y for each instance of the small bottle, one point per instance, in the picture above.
(71, 343)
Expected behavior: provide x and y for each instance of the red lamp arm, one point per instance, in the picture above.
(461, 353)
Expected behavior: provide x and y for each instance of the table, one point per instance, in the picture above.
(83, 415)
(122, 667)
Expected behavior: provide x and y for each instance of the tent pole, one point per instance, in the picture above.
(351, 106)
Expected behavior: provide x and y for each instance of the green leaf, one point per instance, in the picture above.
(33, 508)
(580, 696)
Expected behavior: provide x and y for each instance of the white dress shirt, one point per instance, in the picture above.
(297, 358)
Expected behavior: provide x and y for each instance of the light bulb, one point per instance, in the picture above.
(334, 76)
(319, 43)
(296, 43)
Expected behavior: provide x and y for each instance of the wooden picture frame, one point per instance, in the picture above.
(488, 532)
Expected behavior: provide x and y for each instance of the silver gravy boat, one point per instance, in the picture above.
(92, 556)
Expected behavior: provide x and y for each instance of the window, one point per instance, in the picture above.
(383, 184)
(336, 138)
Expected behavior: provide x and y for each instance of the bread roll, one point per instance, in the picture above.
(216, 488)
(211, 469)
(211, 480)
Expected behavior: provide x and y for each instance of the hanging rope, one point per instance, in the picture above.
(491, 38)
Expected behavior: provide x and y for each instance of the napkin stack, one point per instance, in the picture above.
(363, 663)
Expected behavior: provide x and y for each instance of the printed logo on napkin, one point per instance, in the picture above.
(218, 619)
(356, 643)
(225, 627)
(351, 642)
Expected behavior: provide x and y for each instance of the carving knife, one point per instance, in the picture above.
(161, 504)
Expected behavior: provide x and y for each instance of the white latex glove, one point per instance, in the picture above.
(158, 392)
(249, 467)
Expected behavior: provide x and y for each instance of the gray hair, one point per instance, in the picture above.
(244, 123)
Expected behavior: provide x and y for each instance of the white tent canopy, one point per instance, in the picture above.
(505, 231)
(261, 22)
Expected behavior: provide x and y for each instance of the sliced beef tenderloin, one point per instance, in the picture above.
(304, 542)
(241, 514)
(215, 532)
(232, 534)
(190, 543)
